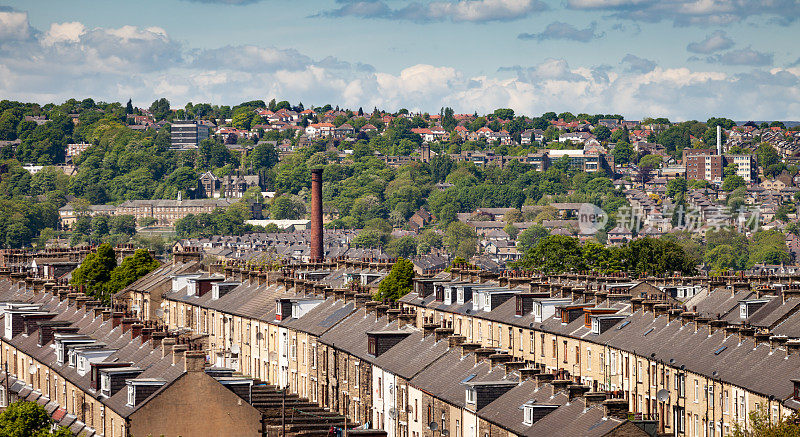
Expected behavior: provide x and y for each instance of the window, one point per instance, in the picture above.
(471, 395)
(520, 344)
(541, 344)
(314, 356)
(588, 359)
(105, 382)
(371, 347)
(578, 356)
(696, 391)
(510, 338)
(528, 417)
(416, 418)
(725, 402)
(480, 334)
(532, 349)
(555, 347)
(131, 396)
(639, 371)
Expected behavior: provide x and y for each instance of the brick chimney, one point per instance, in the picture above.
(513, 366)
(528, 373)
(442, 333)
(594, 398)
(483, 353)
(166, 345)
(496, 359)
(467, 348)
(194, 361)
(560, 385)
(317, 250)
(617, 408)
(543, 378)
(577, 390)
(177, 353)
(136, 330)
(455, 340)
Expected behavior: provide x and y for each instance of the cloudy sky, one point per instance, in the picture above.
(683, 59)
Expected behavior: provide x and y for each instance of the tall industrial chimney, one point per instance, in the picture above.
(719, 140)
(317, 251)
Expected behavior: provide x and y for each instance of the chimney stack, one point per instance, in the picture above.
(317, 250)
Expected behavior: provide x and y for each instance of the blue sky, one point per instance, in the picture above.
(682, 59)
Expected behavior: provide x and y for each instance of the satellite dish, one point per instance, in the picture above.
(235, 349)
(433, 426)
(259, 336)
(392, 413)
(160, 312)
(662, 395)
(445, 432)
(32, 369)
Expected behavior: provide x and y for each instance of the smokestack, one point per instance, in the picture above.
(317, 252)
(719, 140)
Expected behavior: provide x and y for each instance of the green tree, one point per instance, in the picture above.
(160, 109)
(28, 419)
(460, 239)
(731, 183)
(131, 269)
(403, 247)
(242, 118)
(528, 238)
(676, 189)
(398, 282)
(602, 133)
(555, 253)
(652, 161)
(622, 153)
(429, 239)
(263, 156)
(287, 208)
(123, 224)
(95, 271)
(760, 424)
(767, 155)
(768, 247)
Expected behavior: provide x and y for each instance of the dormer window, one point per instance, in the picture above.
(82, 364)
(105, 383)
(72, 358)
(371, 347)
(471, 395)
(595, 326)
(527, 418)
(131, 395)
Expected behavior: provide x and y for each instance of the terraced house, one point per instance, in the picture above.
(682, 372)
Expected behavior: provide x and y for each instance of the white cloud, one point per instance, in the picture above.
(63, 32)
(473, 11)
(695, 12)
(565, 31)
(70, 60)
(14, 25)
(715, 42)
